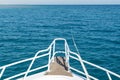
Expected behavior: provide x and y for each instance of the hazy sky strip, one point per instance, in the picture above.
(59, 1)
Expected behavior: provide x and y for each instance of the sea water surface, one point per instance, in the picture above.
(96, 29)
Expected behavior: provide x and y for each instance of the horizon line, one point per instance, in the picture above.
(60, 4)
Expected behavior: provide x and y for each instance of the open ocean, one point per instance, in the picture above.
(26, 29)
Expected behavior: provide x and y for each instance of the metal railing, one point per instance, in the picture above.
(51, 52)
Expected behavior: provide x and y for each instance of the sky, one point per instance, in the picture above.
(59, 1)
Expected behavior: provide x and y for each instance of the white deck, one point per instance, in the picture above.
(41, 76)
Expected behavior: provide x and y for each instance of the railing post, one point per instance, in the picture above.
(31, 65)
(53, 51)
(49, 60)
(109, 77)
(67, 55)
(1, 73)
(84, 68)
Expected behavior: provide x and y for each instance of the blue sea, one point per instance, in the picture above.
(25, 29)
